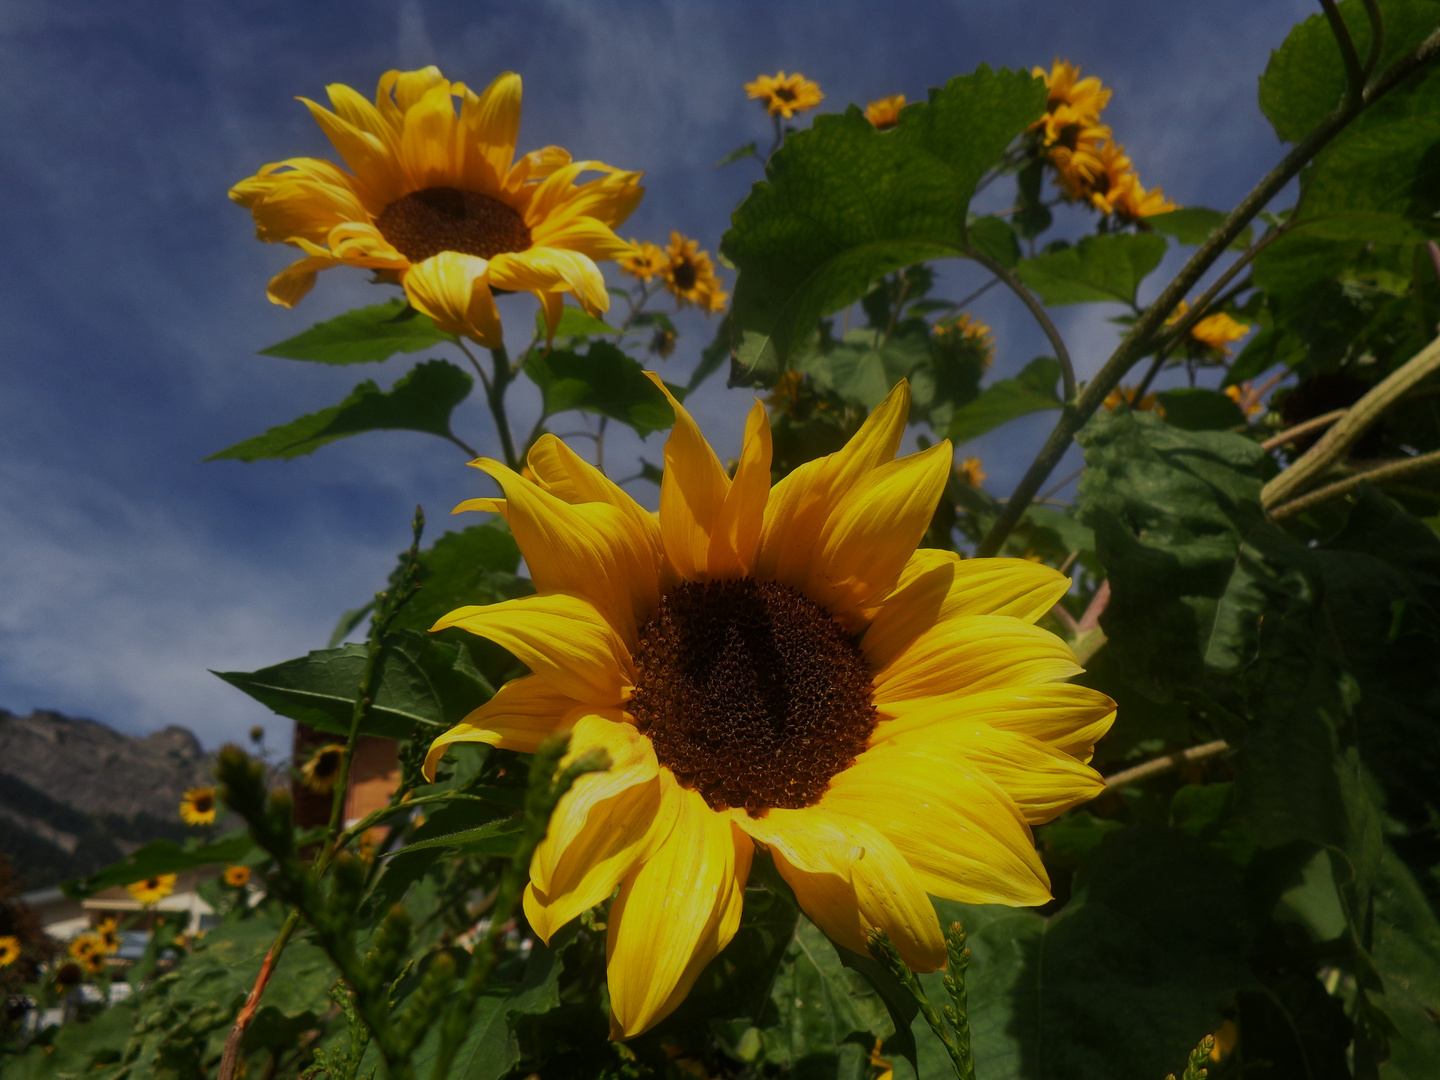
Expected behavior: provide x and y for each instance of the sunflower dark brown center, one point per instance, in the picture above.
(751, 693)
(204, 803)
(785, 93)
(432, 220)
(685, 275)
(327, 763)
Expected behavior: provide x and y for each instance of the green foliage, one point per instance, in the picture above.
(363, 336)
(604, 380)
(1097, 269)
(1033, 390)
(420, 401)
(162, 857)
(1191, 225)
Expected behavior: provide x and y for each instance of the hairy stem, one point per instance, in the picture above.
(495, 396)
(1390, 471)
(1067, 367)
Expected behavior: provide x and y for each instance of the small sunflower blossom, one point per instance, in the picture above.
(690, 276)
(1112, 186)
(152, 889)
(785, 394)
(1212, 336)
(1125, 395)
(645, 262)
(439, 203)
(785, 95)
(1087, 97)
(9, 950)
(897, 732)
(87, 945)
(971, 473)
(323, 768)
(109, 933)
(236, 876)
(94, 963)
(198, 806)
(969, 334)
(885, 113)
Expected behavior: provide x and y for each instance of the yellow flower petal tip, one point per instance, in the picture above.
(432, 195)
(778, 665)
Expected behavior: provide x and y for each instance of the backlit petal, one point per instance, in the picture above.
(520, 716)
(560, 637)
(452, 289)
(289, 287)
(490, 124)
(692, 492)
(737, 528)
(548, 270)
(1068, 717)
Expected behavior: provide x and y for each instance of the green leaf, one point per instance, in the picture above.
(363, 336)
(748, 150)
(472, 566)
(994, 237)
(161, 857)
(714, 355)
(864, 365)
(1197, 409)
(844, 204)
(575, 322)
(422, 685)
(1192, 226)
(493, 838)
(604, 380)
(1098, 269)
(1033, 390)
(1406, 950)
(1123, 982)
(420, 401)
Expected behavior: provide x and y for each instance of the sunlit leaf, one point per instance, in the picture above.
(1033, 390)
(363, 336)
(1097, 269)
(602, 380)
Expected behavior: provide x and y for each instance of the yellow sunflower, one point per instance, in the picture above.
(1212, 336)
(236, 876)
(323, 768)
(885, 113)
(971, 472)
(1126, 395)
(785, 95)
(94, 962)
(645, 261)
(437, 202)
(109, 933)
(1087, 97)
(198, 806)
(776, 666)
(9, 950)
(690, 275)
(86, 945)
(153, 889)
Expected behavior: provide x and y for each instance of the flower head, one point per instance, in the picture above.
(9, 950)
(885, 113)
(236, 876)
(198, 806)
(1105, 177)
(785, 95)
(94, 962)
(1086, 97)
(776, 666)
(969, 336)
(970, 471)
(1125, 395)
(86, 945)
(323, 768)
(645, 261)
(108, 931)
(690, 275)
(152, 889)
(1211, 337)
(438, 201)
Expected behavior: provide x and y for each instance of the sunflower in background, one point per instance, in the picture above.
(785, 95)
(690, 277)
(971, 472)
(236, 876)
(645, 262)
(108, 931)
(152, 889)
(776, 666)
(198, 806)
(1125, 395)
(885, 113)
(1211, 337)
(9, 950)
(86, 945)
(323, 768)
(438, 202)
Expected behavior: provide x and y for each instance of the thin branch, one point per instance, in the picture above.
(1378, 474)
(1067, 368)
(475, 363)
(1315, 423)
(1056, 487)
(1137, 341)
(967, 301)
(1167, 763)
(469, 450)
(1377, 35)
(1354, 74)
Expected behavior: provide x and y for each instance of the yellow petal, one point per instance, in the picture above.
(873, 531)
(484, 506)
(289, 287)
(674, 914)
(360, 114)
(548, 270)
(368, 156)
(692, 492)
(586, 235)
(736, 533)
(522, 713)
(537, 165)
(560, 637)
(1068, 717)
(850, 879)
(939, 585)
(960, 832)
(970, 655)
(490, 124)
(587, 549)
(801, 503)
(452, 289)
(398, 91)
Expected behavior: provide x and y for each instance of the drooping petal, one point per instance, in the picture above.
(523, 713)
(289, 287)
(939, 585)
(587, 549)
(873, 530)
(1068, 717)
(961, 834)
(736, 532)
(302, 197)
(674, 914)
(585, 235)
(451, 289)
(850, 879)
(560, 637)
(548, 270)
(802, 502)
(692, 492)
(972, 654)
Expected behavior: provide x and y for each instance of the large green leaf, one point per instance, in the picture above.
(162, 857)
(473, 566)
(604, 380)
(363, 336)
(419, 401)
(1097, 269)
(575, 322)
(866, 364)
(1119, 985)
(1406, 951)
(843, 204)
(422, 685)
(1033, 390)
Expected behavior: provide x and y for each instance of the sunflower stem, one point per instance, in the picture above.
(1036, 309)
(495, 397)
(887, 956)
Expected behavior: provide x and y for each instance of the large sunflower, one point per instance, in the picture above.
(437, 202)
(777, 666)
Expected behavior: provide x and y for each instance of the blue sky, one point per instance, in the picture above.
(132, 296)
